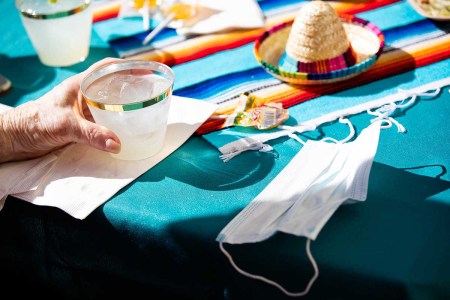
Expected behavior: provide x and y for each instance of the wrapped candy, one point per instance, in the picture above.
(253, 111)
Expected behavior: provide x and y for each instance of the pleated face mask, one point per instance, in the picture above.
(306, 193)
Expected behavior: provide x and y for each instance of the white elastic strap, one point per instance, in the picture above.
(290, 132)
(385, 112)
(298, 128)
(275, 284)
(350, 126)
(400, 127)
(430, 93)
(349, 137)
(389, 121)
(386, 124)
(410, 102)
(292, 129)
(295, 137)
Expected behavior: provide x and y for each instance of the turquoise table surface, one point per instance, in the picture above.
(156, 238)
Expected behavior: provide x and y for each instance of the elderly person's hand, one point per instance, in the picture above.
(56, 119)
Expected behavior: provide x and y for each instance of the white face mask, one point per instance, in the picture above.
(306, 193)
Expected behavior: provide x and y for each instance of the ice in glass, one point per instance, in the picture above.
(132, 98)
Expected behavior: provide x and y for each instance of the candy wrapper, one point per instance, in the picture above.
(253, 111)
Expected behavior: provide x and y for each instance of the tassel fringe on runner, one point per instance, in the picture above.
(382, 109)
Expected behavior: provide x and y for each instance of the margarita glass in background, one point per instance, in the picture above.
(176, 14)
(60, 30)
(138, 4)
(148, 9)
(132, 98)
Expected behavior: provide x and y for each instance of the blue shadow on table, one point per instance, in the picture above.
(206, 170)
(392, 246)
(27, 74)
(73, 259)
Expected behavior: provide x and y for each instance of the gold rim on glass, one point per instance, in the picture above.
(29, 13)
(128, 107)
(156, 68)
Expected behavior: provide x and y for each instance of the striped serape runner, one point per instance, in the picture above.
(228, 67)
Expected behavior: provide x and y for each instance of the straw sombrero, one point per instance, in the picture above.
(319, 46)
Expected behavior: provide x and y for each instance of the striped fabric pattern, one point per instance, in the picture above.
(347, 59)
(219, 67)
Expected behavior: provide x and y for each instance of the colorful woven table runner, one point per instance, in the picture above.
(411, 41)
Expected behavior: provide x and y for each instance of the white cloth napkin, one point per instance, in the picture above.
(79, 178)
(17, 177)
(212, 16)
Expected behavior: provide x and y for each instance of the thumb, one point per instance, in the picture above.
(98, 137)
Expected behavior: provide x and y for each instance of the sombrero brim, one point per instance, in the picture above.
(367, 41)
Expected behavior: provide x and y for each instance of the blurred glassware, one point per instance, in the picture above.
(147, 8)
(176, 13)
(60, 31)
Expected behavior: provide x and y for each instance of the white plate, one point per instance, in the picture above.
(421, 10)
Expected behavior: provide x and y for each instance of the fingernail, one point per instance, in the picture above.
(112, 146)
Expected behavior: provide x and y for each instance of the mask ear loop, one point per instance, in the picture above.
(299, 129)
(342, 120)
(275, 284)
(385, 112)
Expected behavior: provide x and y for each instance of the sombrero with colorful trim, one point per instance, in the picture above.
(319, 46)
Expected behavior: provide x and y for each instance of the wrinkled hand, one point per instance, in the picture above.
(56, 119)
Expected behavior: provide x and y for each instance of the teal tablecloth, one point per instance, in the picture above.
(156, 238)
